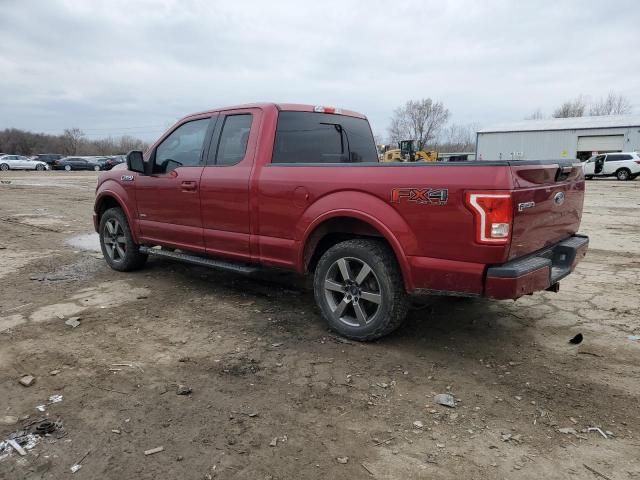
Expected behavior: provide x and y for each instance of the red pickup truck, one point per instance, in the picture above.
(300, 187)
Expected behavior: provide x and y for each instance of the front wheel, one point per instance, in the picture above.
(588, 177)
(67, 168)
(623, 174)
(96, 168)
(4, 167)
(39, 167)
(359, 289)
(116, 242)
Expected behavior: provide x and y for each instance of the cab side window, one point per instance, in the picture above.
(182, 148)
(232, 146)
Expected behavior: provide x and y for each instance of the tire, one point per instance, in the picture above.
(4, 167)
(96, 168)
(67, 168)
(623, 174)
(39, 168)
(360, 307)
(588, 177)
(116, 242)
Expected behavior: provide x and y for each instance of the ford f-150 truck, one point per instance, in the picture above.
(300, 187)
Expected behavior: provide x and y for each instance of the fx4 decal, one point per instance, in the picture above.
(127, 178)
(425, 196)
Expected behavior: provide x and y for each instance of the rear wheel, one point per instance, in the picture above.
(623, 174)
(359, 289)
(4, 167)
(39, 167)
(116, 242)
(67, 168)
(588, 177)
(96, 168)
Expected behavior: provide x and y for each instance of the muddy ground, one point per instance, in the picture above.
(276, 395)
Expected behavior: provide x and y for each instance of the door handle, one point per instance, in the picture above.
(189, 186)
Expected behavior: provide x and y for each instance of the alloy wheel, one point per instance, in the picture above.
(114, 240)
(353, 292)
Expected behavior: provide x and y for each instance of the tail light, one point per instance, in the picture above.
(493, 216)
(638, 162)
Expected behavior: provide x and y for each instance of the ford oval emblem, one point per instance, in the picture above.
(558, 198)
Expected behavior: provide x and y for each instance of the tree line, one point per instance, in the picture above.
(426, 121)
(72, 141)
(612, 104)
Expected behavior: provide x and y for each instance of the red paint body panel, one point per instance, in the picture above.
(546, 223)
(265, 213)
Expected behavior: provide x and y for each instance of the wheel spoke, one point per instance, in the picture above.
(107, 240)
(364, 272)
(333, 286)
(339, 310)
(120, 251)
(360, 314)
(371, 297)
(121, 239)
(109, 226)
(344, 269)
(111, 250)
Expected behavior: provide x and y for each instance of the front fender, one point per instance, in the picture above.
(367, 208)
(125, 199)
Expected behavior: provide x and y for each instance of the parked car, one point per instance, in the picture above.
(48, 158)
(623, 166)
(76, 163)
(113, 161)
(20, 162)
(300, 188)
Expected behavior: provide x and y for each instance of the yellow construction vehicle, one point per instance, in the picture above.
(406, 152)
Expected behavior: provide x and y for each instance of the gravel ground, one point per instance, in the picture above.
(277, 396)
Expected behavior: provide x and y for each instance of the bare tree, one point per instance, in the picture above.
(71, 139)
(571, 108)
(613, 104)
(419, 120)
(536, 115)
(458, 138)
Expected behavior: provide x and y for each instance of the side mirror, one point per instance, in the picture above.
(135, 161)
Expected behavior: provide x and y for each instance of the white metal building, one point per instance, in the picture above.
(557, 138)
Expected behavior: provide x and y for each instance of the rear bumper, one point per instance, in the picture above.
(537, 271)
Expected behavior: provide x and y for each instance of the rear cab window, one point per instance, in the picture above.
(234, 136)
(320, 138)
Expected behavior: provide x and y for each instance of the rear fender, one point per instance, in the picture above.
(367, 208)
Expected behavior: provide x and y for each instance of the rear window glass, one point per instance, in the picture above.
(615, 158)
(233, 139)
(309, 137)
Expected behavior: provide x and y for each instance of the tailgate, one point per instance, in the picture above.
(547, 202)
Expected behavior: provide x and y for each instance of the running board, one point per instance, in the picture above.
(205, 262)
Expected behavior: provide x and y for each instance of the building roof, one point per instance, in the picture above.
(574, 123)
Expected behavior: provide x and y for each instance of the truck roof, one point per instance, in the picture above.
(287, 107)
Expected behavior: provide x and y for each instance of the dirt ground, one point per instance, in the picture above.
(276, 395)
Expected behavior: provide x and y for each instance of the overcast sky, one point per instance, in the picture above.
(135, 66)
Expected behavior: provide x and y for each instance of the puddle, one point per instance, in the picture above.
(87, 241)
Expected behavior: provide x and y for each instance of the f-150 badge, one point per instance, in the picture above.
(428, 196)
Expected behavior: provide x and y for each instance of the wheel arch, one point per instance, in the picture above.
(110, 198)
(334, 225)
